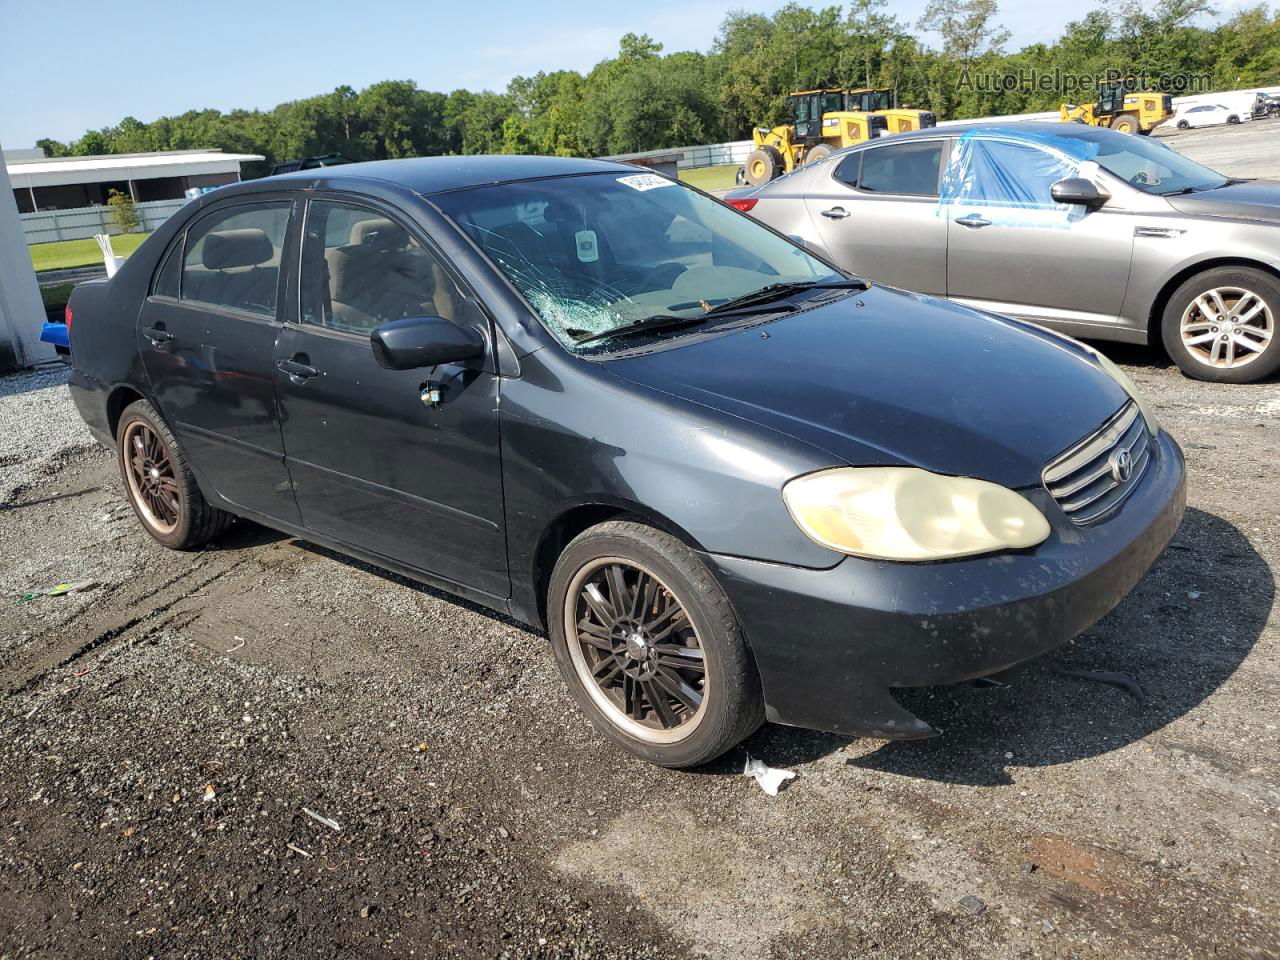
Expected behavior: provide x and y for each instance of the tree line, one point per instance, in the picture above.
(643, 98)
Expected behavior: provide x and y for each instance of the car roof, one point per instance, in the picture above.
(430, 175)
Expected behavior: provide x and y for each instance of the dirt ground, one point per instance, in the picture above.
(165, 734)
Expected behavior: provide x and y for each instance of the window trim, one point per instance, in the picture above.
(286, 201)
(944, 156)
(397, 217)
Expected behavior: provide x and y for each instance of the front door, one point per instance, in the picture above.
(877, 214)
(375, 463)
(1011, 248)
(206, 334)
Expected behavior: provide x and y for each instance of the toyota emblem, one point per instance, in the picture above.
(1121, 465)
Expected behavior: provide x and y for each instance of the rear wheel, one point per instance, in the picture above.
(1221, 325)
(160, 485)
(820, 152)
(763, 164)
(1183, 125)
(1124, 123)
(649, 646)
(1233, 119)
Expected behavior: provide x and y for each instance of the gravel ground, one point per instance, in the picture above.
(166, 733)
(1243, 150)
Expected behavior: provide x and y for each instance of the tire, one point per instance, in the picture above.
(1183, 125)
(1192, 328)
(820, 152)
(160, 486)
(1124, 123)
(1233, 119)
(720, 702)
(763, 164)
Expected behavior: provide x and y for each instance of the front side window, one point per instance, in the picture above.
(232, 257)
(361, 269)
(597, 252)
(902, 168)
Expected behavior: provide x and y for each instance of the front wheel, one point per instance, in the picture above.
(763, 164)
(1221, 325)
(649, 646)
(1183, 125)
(160, 485)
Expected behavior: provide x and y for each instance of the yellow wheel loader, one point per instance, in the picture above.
(1139, 112)
(823, 121)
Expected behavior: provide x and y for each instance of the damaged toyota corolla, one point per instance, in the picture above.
(730, 481)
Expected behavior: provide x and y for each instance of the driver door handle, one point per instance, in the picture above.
(835, 213)
(297, 371)
(973, 221)
(157, 335)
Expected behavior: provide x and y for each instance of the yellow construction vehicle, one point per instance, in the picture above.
(822, 121)
(1129, 112)
(885, 104)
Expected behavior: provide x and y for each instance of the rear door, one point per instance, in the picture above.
(1011, 248)
(378, 459)
(877, 213)
(207, 334)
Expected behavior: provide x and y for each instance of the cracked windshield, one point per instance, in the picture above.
(599, 253)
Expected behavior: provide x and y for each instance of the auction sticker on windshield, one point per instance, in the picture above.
(646, 181)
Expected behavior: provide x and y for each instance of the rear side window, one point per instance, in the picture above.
(232, 257)
(902, 168)
(847, 172)
(361, 269)
(166, 284)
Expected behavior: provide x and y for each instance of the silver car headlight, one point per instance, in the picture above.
(1128, 386)
(905, 513)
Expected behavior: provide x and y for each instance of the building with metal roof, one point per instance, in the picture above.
(65, 183)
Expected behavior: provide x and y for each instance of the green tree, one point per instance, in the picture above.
(123, 212)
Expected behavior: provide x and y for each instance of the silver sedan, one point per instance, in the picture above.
(1095, 233)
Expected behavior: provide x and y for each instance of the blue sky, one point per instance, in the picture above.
(70, 65)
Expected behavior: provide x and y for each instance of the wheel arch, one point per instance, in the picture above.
(120, 397)
(576, 519)
(1156, 315)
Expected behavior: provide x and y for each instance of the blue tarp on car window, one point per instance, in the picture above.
(1005, 175)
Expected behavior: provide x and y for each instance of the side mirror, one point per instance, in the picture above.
(424, 342)
(1078, 190)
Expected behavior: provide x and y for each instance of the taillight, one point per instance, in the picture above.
(742, 203)
(66, 316)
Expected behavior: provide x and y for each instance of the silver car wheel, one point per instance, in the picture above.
(1227, 327)
(636, 650)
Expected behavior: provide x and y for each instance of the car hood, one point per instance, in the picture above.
(886, 377)
(1254, 200)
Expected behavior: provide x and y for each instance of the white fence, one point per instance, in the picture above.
(49, 226)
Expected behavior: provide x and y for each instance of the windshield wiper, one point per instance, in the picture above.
(654, 324)
(777, 291)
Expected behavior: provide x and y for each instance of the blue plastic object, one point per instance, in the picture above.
(1006, 174)
(56, 333)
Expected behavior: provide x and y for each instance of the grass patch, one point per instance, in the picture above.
(711, 178)
(80, 253)
(56, 296)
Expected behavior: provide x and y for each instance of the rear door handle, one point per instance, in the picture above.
(973, 221)
(296, 370)
(157, 335)
(835, 213)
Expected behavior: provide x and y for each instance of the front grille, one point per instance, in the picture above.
(1089, 480)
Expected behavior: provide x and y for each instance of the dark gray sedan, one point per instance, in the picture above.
(703, 459)
(1095, 233)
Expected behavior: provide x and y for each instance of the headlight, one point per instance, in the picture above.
(1129, 387)
(903, 513)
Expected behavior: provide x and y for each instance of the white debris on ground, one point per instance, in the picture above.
(769, 778)
(40, 429)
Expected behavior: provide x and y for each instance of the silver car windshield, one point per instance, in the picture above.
(1152, 167)
(599, 252)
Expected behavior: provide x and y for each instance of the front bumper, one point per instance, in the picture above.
(829, 644)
